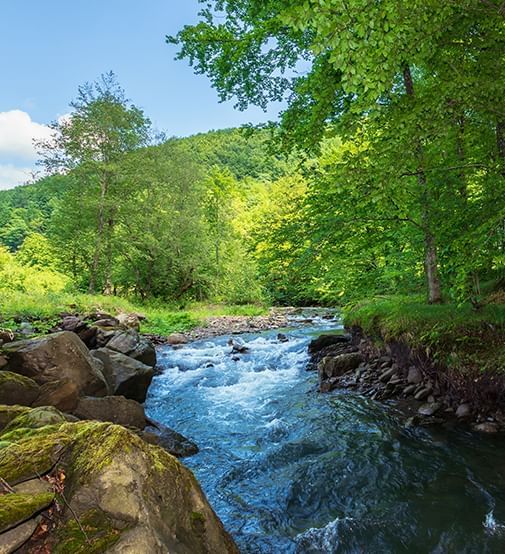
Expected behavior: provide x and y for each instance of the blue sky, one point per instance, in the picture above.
(50, 47)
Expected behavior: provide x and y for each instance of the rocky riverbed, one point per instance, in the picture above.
(385, 373)
(82, 468)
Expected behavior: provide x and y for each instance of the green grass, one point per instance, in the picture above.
(43, 310)
(459, 337)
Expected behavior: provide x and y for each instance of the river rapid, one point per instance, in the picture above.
(290, 470)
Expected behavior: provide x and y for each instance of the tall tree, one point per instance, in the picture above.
(102, 126)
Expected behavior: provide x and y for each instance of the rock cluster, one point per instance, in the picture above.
(90, 486)
(349, 362)
(71, 405)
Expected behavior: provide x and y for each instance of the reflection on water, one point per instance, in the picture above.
(289, 470)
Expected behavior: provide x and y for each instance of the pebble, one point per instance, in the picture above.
(423, 393)
(486, 427)
(429, 409)
(414, 376)
(463, 410)
(386, 375)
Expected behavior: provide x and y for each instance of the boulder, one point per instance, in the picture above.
(115, 409)
(336, 366)
(37, 418)
(55, 357)
(134, 345)
(72, 323)
(62, 394)
(327, 340)
(8, 413)
(109, 322)
(18, 508)
(17, 389)
(125, 376)
(130, 496)
(176, 338)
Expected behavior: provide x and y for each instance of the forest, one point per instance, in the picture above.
(384, 175)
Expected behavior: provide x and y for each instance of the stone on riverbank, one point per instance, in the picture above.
(327, 340)
(131, 344)
(54, 357)
(17, 389)
(130, 496)
(125, 376)
(330, 367)
(114, 409)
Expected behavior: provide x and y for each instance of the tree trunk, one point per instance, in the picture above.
(500, 143)
(100, 224)
(430, 248)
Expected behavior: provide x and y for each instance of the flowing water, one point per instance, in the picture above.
(289, 470)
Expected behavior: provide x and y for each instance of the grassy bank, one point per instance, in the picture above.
(458, 337)
(43, 310)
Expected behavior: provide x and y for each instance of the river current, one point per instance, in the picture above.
(290, 470)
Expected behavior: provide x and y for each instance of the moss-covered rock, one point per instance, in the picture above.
(17, 389)
(100, 535)
(8, 413)
(17, 508)
(132, 496)
(36, 418)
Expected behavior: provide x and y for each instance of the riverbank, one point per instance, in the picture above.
(444, 363)
(37, 313)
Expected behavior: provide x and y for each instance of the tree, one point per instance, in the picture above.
(363, 64)
(102, 127)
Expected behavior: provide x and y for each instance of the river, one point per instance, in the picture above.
(290, 470)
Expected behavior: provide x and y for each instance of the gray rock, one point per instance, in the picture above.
(409, 390)
(134, 345)
(429, 409)
(386, 375)
(62, 394)
(54, 357)
(463, 411)
(486, 427)
(130, 321)
(173, 442)
(17, 389)
(423, 393)
(281, 337)
(414, 376)
(125, 376)
(176, 339)
(115, 409)
(13, 539)
(327, 340)
(336, 366)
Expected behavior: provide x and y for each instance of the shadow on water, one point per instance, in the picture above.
(289, 470)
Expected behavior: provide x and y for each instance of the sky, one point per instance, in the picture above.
(50, 47)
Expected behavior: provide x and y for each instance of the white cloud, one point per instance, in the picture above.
(10, 175)
(17, 132)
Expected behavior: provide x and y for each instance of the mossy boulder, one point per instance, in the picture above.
(144, 490)
(8, 413)
(17, 508)
(17, 389)
(129, 495)
(54, 357)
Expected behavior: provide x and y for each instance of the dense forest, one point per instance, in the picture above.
(384, 175)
